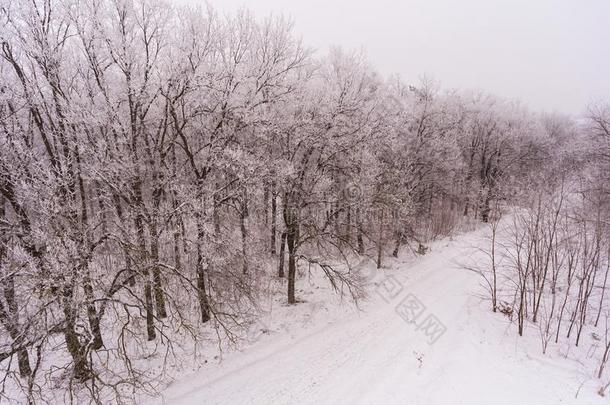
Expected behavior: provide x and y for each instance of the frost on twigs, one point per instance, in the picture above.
(164, 171)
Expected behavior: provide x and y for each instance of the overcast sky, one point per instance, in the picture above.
(554, 55)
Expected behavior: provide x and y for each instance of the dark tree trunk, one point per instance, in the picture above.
(398, 243)
(177, 254)
(290, 239)
(273, 219)
(291, 218)
(282, 255)
(348, 225)
(244, 232)
(92, 313)
(154, 247)
(10, 318)
(143, 264)
(177, 250)
(380, 240)
(10, 322)
(23, 362)
(204, 306)
(150, 320)
(486, 207)
(216, 211)
(601, 298)
(78, 351)
(265, 200)
(102, 207)
(360, 237)
(156, 271)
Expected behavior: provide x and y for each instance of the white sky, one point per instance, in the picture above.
(554, 55)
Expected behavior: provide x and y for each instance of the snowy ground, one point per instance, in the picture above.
(322, 352)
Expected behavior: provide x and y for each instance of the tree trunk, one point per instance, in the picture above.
(292, 235)
(265, 199)
(177, 254)
(290, 239)
(601, 299)
(92, 313)
(486, 208)
(204, 306)
(10, 322)
(380, 240)
(348, 226)
(360, 237)
(216, 211)
(81, 368)
(10, 318)
(282, 255)
(273, 218)
(143, 264)
(156, 271)
(244, 233)
(154, 246)
(398, 243)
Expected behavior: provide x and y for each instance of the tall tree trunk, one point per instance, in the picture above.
(273, 218)
(92, 313)
(177, 250)
(78, 352)
(360, 236)
(380, 239)
(265, 201)
(10, 318)
(156, 271)
(348, 225)
(243, 215)
(204, 306)
(216, 211)
(398, 243)
(143, 264)
(486, 206)
(601, 298)
(282, 255)
(153, 229)
(290, 239)
(292, 235)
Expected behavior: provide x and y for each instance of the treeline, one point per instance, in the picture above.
(157, 164)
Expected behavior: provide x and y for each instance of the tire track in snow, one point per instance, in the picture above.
(359, 360)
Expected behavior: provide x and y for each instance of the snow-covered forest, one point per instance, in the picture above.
(161, 167)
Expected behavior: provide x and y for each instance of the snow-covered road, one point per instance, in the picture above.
(375, 357)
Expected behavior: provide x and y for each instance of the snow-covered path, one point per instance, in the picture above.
(376, 357)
